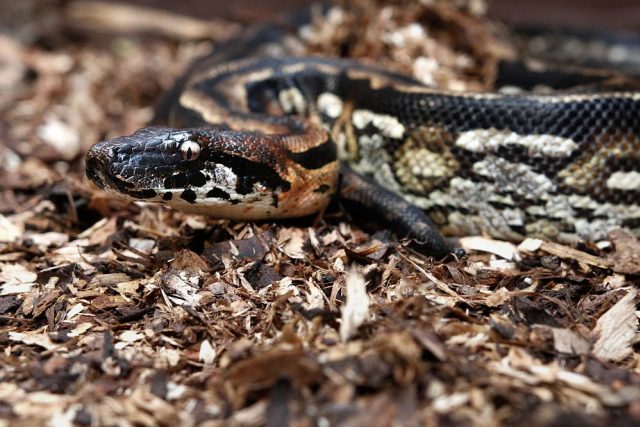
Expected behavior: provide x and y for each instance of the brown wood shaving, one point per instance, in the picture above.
(567, 252)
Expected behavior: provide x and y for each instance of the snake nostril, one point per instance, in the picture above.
(94, 170)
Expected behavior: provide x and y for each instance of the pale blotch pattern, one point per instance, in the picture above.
(223, 176)
(420, 169)
(425, 161)
(490, 140)
(517, 178)
(292, 101)
(389, 126)
(375, 161)
(626, 181)
(330, 105)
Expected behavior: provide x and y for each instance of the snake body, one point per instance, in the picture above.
(264, 138)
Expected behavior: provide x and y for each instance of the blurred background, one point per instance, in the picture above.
(616, 14)
(620, 14)
(623, 14)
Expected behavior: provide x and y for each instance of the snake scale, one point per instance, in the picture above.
(264, 137)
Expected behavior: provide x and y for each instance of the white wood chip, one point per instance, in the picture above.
(16, 279)
(356, 308)
(74, 311)
(291, 242)
(131, 336)
(315, 298)
(32, 338)
(80, 329)
(61, 136)
(503, 249)
(46, 240)
(616, 330)
(446, 403)
(9, 232)
(15, 274)
(569, 342)
(16, 289)
(207, 353)
(530, 245)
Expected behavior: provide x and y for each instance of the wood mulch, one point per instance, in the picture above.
(113, 313)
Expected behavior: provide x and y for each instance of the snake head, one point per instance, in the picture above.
(134, 166)
(215, 172)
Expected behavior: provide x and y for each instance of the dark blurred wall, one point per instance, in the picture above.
(616, 14)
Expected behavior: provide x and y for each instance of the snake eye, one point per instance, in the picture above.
(189, 150)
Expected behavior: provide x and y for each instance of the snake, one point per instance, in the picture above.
(262, 138)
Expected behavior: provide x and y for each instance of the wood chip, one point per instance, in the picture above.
(617, 329)
(33, 338)
(9, 232)
(356, 308)
(568, 342)
(503, 249)
(207, 353)
(579, 256)
(626, 258)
